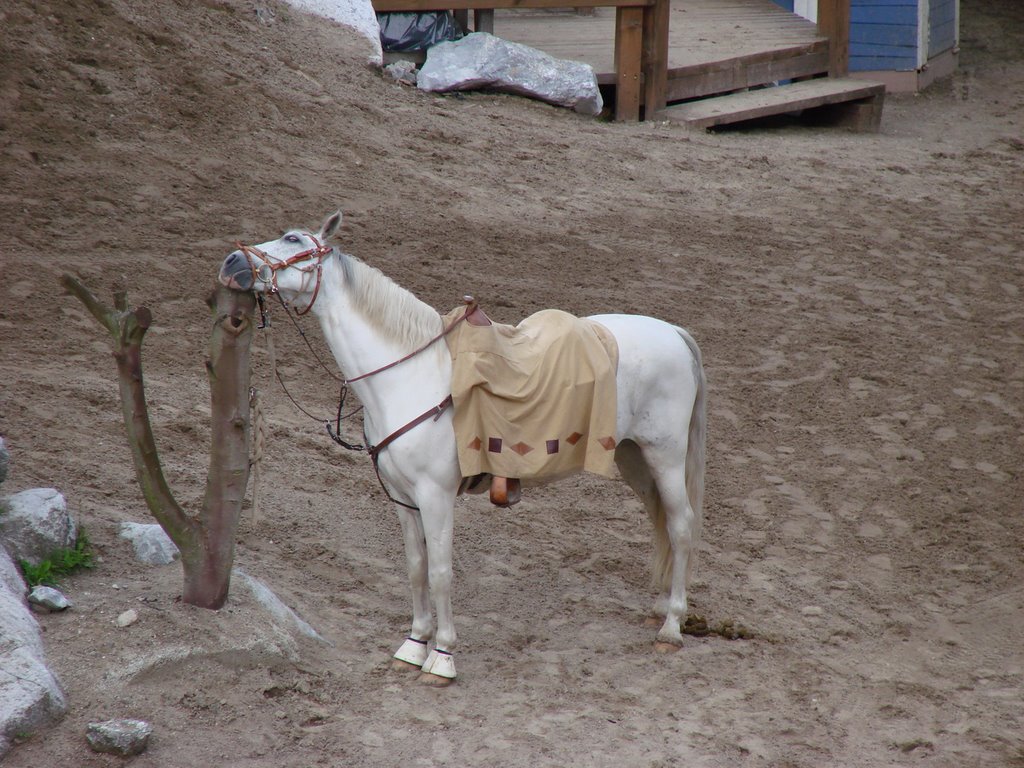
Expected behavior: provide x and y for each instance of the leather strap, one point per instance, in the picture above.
(374, 450)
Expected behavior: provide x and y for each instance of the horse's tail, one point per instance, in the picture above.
(694, 467)
(696, 450)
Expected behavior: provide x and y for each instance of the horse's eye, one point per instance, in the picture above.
(292, 239)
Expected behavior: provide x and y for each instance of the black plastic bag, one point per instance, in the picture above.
(402, 31)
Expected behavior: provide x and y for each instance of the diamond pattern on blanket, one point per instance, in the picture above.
(547, 383)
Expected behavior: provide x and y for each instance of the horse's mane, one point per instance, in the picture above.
(393, 310)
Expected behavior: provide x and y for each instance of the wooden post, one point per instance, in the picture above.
(483, 20)
(655, 57)
(834, 23)
(629, 28)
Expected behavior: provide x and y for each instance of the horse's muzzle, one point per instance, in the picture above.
(236, 272)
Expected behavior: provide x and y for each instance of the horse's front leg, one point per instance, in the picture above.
(437, 514)
(413, 652)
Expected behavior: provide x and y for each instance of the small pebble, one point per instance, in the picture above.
(811, 610)
(119, 737)
(127, 618)
(48, 599)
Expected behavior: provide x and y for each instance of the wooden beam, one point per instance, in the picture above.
(834, 23)
(836, 93)
(442, 5)
(746, 71)
(654, 61)
(629, 29)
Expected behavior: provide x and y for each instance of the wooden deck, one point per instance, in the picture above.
(715, 46)
(650, 54)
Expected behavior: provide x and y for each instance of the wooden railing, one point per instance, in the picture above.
(641, 42)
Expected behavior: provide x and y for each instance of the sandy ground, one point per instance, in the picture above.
(858, 302)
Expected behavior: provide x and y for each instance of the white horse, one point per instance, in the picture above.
(373, 326)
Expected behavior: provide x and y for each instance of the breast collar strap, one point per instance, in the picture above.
(374, 450)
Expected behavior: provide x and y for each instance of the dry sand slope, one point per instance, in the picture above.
(857, 298)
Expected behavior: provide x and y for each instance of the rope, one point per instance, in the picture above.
(259, 444)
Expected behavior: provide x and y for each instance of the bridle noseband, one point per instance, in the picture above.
(266, 270)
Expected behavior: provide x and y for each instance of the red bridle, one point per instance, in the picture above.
(266, 272)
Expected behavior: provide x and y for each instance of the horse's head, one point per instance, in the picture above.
(290, 265)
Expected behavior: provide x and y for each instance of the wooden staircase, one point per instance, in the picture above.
(751, 59)
(853, 104)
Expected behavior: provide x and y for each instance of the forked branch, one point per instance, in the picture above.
(207, 543)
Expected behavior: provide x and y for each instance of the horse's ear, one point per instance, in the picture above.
(331, 226)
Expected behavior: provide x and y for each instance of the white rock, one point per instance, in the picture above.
(5, 460)
(272, 603)
(357, 14)
(30, 696)
(49, 598)
(127, 618)
(152, 544)
(119, 737)
(35, 524)
(10, 576)
(255, 627)
(481, 60)
(402, 71)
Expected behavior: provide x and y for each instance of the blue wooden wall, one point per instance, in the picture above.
(884, 33)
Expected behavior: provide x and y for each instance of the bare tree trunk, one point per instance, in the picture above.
(228, 475)
(207, 543)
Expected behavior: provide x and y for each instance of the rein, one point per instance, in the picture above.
(266, 273)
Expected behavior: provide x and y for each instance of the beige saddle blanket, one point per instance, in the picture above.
(534, 400)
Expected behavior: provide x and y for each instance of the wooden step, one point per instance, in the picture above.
(747, 70)
(855, 104)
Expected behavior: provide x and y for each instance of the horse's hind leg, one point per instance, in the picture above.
(662, 486)
(682, 529)
(413, 652)
(635, 472)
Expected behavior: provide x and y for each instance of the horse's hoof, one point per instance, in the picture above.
(434, 681)
(404, 666)
(412, 652)
(661, 646)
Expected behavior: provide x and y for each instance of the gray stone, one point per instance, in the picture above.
(49, 598)
(10, 576)
(481, 60)
(272, 604)
(30, 696)
(152, 544)
(35, 524)
(127, 618)
(403, 71)
(255, 628)
(124, 737)
(5, 460)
